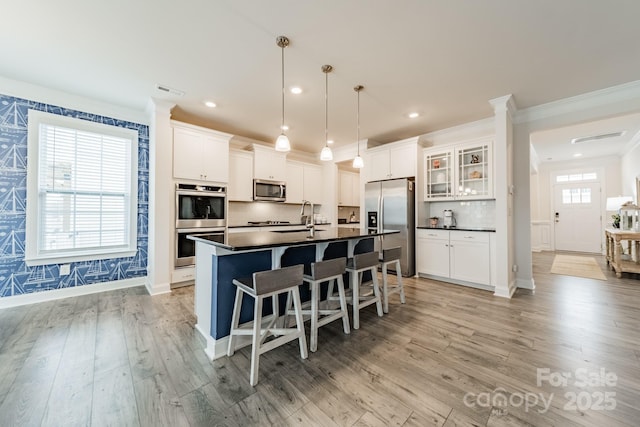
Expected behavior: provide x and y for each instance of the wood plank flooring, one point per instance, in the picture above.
(452, 356)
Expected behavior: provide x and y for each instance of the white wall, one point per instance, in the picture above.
(630, 168)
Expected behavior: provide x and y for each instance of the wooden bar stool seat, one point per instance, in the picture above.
(361, 297)
(325, 271)
(391, 256)
(262, 285)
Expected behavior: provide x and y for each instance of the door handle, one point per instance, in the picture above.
(557, 216)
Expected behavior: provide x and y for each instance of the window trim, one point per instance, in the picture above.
(33, 256)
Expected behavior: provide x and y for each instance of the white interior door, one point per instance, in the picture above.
(577, 220)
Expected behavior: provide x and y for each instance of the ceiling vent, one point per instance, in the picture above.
(597, 137)
(167, 89)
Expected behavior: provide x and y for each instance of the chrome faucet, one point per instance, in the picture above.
(308, 219)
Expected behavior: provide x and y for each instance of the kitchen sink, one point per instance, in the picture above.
(296, 230)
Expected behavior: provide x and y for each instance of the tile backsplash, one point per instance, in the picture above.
(240, 213)
(472, 214)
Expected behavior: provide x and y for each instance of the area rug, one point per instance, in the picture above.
(581, 266)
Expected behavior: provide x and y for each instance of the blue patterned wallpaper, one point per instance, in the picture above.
(16, 277)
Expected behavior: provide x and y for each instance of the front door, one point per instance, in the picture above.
(577, 219)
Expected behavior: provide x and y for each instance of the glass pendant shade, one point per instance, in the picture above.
(282, 143)
(358, 163)
(326, 154)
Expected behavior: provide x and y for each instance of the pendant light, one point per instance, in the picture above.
(358, 163)
(282, 143)
(326, 154)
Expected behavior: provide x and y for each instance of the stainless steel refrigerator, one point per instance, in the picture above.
(390, 205)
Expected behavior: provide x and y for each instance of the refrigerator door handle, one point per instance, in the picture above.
(381, 210)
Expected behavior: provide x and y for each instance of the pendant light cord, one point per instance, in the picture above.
(282, 126)
(358, 118)
(326, 109)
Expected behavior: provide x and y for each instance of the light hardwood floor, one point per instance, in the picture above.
(445, 358)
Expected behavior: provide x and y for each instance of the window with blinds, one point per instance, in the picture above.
(81, 191)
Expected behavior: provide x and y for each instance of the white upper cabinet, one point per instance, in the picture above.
(474, 171)
(295, 182)
(349, 188)
(304, 182)
(240, 177)
(438, 174)
(200, 154)
(395, 160)
(269, 164)
(313, 184)
(463, 171)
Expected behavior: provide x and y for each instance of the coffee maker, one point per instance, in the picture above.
(449, 221)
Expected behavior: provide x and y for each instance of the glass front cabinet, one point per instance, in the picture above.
(438, 175)
(459, 172)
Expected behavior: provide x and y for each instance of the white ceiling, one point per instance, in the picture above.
(443, 59)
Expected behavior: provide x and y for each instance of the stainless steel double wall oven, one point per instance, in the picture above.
(200, 209)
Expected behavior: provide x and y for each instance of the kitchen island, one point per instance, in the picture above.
(217, 264)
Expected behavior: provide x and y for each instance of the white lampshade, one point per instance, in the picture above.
(326, 154)
(358, 163)
(614, 203)
(282, 143)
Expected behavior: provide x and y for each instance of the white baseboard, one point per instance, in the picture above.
(506, 293)
(157, 289)
(526, 284)
(217, 348)
(55, 294)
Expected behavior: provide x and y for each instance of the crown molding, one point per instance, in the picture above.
(504, 104)
(609, 96)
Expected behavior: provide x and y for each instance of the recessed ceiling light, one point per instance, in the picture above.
(413, 115)
(330, 141)
(210, 104)
(284, 127)
(296, 90)
(577, 155)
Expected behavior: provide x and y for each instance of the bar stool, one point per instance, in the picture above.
(262, 285)
(391, 256)
(356, 266)
(323, 271)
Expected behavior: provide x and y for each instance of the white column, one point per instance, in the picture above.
(504, 109)
(161, 194)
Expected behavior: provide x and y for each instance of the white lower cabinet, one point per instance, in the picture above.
(463, 256)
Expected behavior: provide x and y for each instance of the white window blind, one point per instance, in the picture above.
(86, 190)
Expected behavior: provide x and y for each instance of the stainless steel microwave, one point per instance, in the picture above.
(272, 191)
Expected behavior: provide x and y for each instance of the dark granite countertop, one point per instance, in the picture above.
(267, 225)
(273, 239)
(490, 230)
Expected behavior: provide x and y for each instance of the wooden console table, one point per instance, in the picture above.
(617, 260)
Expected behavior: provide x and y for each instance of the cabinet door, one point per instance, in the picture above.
(345, 194)
(474, 171)
(215, 159)
(438, 175)
(402, 162)
(294, 179)
(470, 261)
(187, 154)
(433, 257)
(313, 188)
(378, 167)
(240, 179)
(269, 164)
(355, 189)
